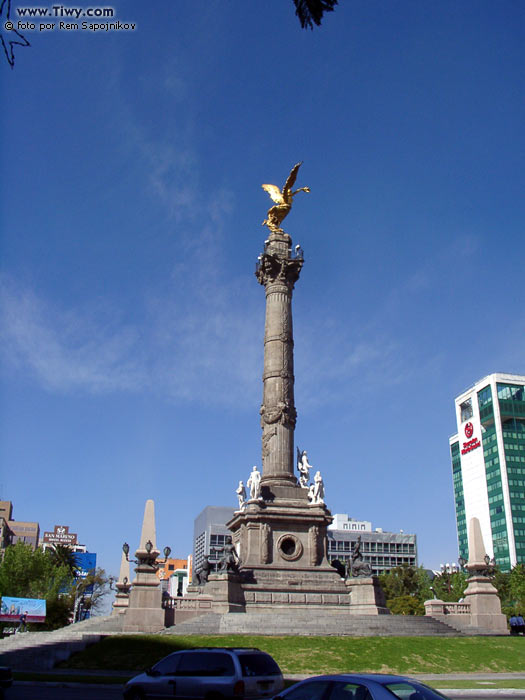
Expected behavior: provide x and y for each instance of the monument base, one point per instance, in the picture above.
(366, 596)
(485, 605)
(281, 543)
(147, 620)
(226, 591)
(272, 588)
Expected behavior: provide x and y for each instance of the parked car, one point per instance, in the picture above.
(359, 686)
(211, 673)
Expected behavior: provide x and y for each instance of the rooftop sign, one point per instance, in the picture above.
(61, 535)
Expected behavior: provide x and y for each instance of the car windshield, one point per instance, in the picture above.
(258, 665)
(167, 666)
(405, 690)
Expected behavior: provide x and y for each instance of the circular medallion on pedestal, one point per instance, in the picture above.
(289, 547)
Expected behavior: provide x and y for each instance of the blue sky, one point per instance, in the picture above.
(130, 210)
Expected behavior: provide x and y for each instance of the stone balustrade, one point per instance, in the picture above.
(436, 608)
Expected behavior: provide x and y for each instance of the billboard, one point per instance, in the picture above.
(11, 609)
(86, 562)
(60, 535)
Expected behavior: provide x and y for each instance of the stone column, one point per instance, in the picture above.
(485, 605)
(145, 613)
(278, 272)
(123, 585)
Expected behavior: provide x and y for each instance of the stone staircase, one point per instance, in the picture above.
(31, 651)
(314, 623)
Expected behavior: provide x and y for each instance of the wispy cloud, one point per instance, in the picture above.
(64, 349)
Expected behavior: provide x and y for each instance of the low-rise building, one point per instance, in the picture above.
(173, 575)
(382, 550)
(210, 534)
(13, 531)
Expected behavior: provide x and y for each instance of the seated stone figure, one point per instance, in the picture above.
(201, 575)
(358, 567)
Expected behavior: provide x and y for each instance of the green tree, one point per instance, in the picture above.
(406, 605)
(62, 555)
(517, 586)
(91, 590)
(311, 12)
(450, 587)
(406, 588)
(28, 573)
(511, 589)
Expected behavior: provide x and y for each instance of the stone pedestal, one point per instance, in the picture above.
(226, 591)
(145, 612)
(481, 606)
(282, 546)
(122, 597)
(121, 603)
(485, 605)
(366, 596)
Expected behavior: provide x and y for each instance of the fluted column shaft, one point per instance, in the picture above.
(278, 272)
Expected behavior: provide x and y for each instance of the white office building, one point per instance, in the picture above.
(488, 466)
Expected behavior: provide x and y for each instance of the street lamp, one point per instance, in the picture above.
(447, 571)
(148, 560)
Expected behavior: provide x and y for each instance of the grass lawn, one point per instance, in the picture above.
(517, 683)
(312, 655)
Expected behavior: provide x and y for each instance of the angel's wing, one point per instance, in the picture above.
(299, 455)
(274, 192)
(292, 177)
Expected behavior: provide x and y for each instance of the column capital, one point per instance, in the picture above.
(276, 269)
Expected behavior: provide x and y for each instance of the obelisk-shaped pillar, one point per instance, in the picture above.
(278, 272)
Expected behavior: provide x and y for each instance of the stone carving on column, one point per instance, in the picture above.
(265, 543)
(241, 494)
(314, 543)
(254, 484)
(267, 438)
(273, 269)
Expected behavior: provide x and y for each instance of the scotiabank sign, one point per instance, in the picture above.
(470, 444)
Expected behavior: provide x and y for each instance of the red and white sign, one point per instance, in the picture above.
(470, 445)
(472, 442)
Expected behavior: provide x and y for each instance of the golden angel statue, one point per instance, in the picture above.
(283, 200)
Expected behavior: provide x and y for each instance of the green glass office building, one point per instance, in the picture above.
(488, 466)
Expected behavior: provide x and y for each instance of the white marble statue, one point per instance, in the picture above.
(241, 494)
(254, 484)
(318, 494)
(304, 468)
